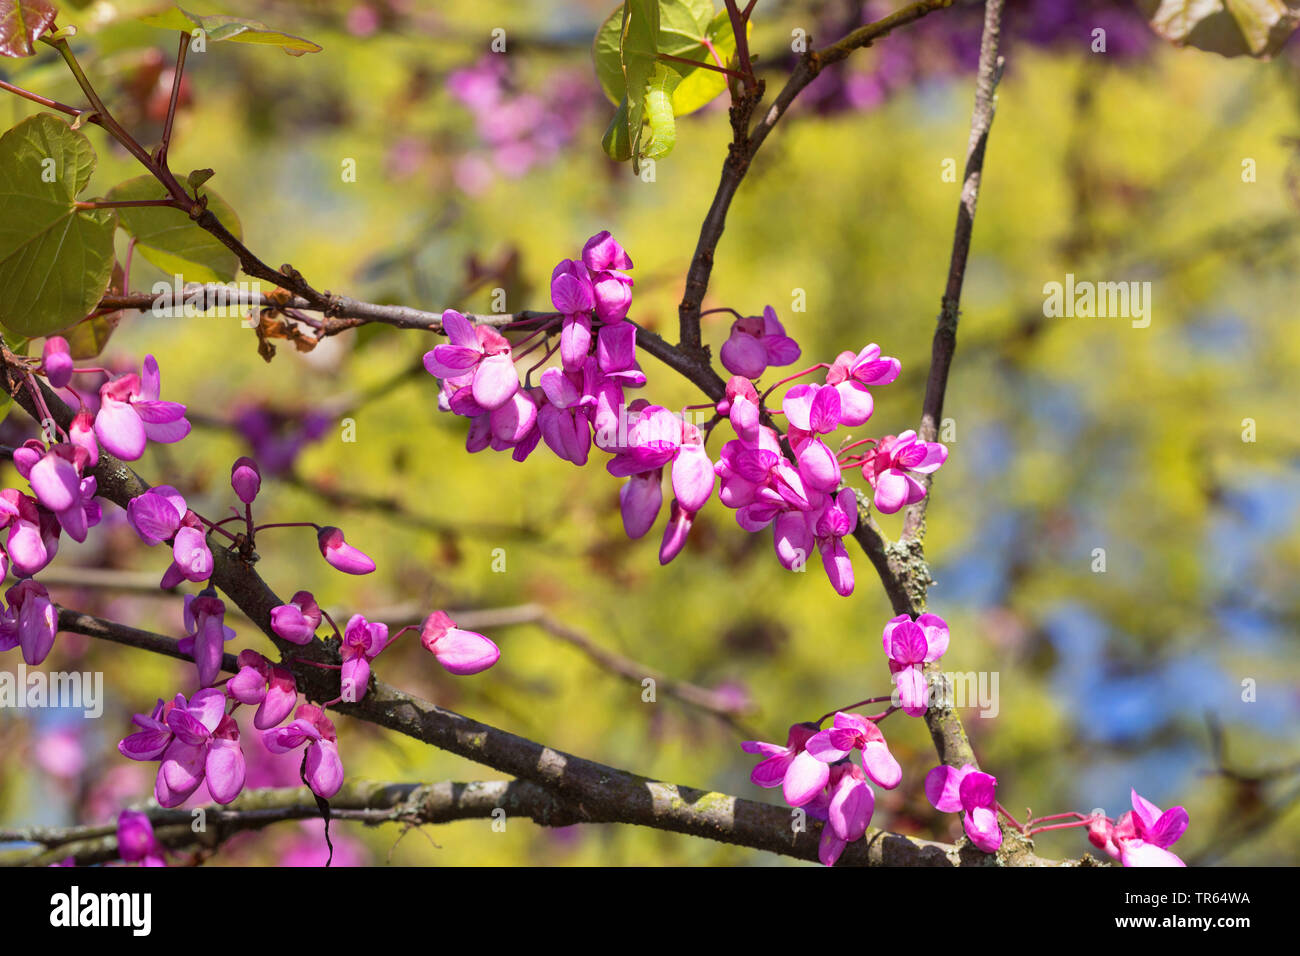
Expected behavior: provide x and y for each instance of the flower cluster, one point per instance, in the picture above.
(814, 772)
(195, 739)
(792, 482)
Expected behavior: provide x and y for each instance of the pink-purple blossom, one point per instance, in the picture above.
(30, 621)
(890, 469)
(136, 842)
(341, 555)
(132, 414)
(850, 375)
(56, 361)
(971, 792)
(362, 643)
(1142, 836)
(461, 652)
(297, 621)
(756, 342)
(200, 744)
(475, 357)
(269, 686)
(849, 732)
(910, 645)
(207, 634)
(322, 768)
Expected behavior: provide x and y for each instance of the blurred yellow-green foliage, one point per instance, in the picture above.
(1067, 434)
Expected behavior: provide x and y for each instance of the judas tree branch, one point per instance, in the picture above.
(600, 792)
(745, 145)
(554, 789)
(411, 804)
(945, 333)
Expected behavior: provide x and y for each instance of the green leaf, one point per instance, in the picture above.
(661, 125)
(21, 22)
(638, 49)
(699, 87)
(616, 143)
(198, 177)
(682, 23)
(55, 259)
(631, 71)
(1257, 28)
(235, 29)
(88, 337)
(170, 239)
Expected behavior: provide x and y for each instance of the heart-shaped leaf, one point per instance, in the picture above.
(21, 22)
(1255, 28)
(236, 29)
(171, 240)
(55, 259)
(700, 87)
(682, 24)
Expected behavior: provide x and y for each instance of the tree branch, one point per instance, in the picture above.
(945, 333)
(378, 803)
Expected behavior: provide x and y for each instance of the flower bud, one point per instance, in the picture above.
(56, 360)
(245, 479)
(342, 555)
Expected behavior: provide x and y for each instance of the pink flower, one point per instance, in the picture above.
(342, 555)
(572, 294)
(850, 732)
(476, 356)
(822, 524)
(57, 482)
(149, 742)
(31, 621)
(323, 768)
(850, 375)
(972, 792)
(156, 515)
(461, 652)
(33, 537)
(800, 775)
(657, 438)
(892, 464)
(362, 643)
(207, 633)
(204, 748)
(848, 813)
(602, 253)
(82, 434)
(616, 354)
(757, 342)
(565, 419)
(131, 414)
(56, 361)
(191, 558)
(1141, 837)
(270, 686)
(741, 408)
(246, 479)
(297, 621)
(136, 842)
(909, 646)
